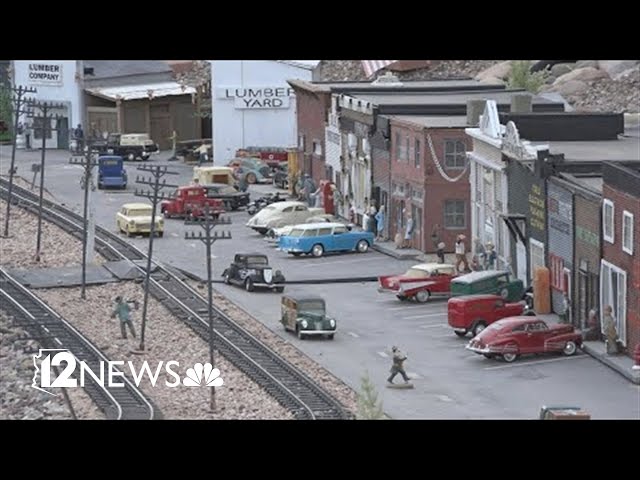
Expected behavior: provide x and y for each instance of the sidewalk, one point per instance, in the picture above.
(389, 248)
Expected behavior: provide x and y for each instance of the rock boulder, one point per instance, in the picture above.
(585, 74)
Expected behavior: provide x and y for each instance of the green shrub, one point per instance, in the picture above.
(368, 406)
(521, 76)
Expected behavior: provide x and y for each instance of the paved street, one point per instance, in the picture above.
(450, 382)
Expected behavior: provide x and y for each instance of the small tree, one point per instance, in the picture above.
(368, 406)
(521, 76)
(6, 122)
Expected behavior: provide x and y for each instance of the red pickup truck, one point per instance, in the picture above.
(190, 201)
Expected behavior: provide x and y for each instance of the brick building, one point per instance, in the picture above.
(430, 178)
(316, 107)
(620, 265)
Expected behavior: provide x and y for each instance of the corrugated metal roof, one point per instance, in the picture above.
(133, 92)
(122, 68)
(306, 64)
(381, 87)
(625, 148)
(442, 121)
(443, 98)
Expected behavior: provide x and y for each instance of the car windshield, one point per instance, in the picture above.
(416, 273)
(257, 260)
(314, 307)
(139, 212)
(228, 190)
(296, 232)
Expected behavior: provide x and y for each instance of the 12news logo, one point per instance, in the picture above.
(108, 374)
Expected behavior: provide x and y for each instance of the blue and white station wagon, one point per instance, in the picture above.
(317, 238)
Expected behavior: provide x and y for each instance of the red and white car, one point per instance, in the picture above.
(511, 337)
(420, 282)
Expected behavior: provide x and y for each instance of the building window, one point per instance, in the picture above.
(366, 147)
(455, 214)
(301, 142)
(407, 153)
(455, 154)
(37, 129)
(608, 211)
(317, 147)
(613, 293)
(398, 149)
(417, 153)
(627, 232)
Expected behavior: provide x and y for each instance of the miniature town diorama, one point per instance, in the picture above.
(496, 240)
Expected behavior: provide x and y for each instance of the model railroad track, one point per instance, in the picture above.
(293, 389)
(54, 332)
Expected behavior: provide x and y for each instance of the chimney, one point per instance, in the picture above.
(521, 103)
(475, 108)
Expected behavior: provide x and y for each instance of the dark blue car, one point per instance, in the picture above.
(111, 172)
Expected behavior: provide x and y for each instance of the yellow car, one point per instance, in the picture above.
(136, 218)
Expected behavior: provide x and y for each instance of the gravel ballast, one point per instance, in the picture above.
(18, 399)
(166, 338)
(57, 249)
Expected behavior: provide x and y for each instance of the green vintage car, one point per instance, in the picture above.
(495, 282)
(306, 315)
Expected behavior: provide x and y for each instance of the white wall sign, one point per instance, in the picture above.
(257, 97)
(45, 73)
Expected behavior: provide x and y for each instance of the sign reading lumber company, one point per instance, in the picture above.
(257, 97)
(45, 73)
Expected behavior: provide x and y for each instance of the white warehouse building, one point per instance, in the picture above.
(253, 105)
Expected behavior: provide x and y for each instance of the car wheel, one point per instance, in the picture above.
(504, 293)
(479, 326)
(362, 246)
(160, 234)
(317, 250)
(402, 298)
(512, 354)
(279, 289)
(248, 285)
(330, 336)
(227, 279)
(251, 178)
(422, 296)
(166, 213)
(569, 348)
(227, 205)
(131, 156)
(460, 334)
(301, 335)
(487, 355)
(296, 254)
(127, 231)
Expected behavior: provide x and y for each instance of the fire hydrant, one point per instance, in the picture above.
(636, 357)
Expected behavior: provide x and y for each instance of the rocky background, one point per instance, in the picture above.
(588, 85)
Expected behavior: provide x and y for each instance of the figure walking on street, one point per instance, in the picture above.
(397, 366)
(408, 233)
(122, 310)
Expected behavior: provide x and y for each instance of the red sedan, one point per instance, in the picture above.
(511, 337)
(420, 282)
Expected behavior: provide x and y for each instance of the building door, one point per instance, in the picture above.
(160, 125)
(566, 280)
(63, 133)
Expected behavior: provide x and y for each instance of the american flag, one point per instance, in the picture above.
(372, 66)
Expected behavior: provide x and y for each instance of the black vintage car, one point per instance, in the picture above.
(232, 199)
(281, 177)
(252, 271)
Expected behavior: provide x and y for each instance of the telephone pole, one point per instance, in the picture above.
(19, 102)
(209, 238)
(88, 162)
(155, 195)
(46, 117)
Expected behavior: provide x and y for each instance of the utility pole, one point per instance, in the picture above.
(209, 238)
(19, 102)
(88, 163)
(155, 195)
(46, 117)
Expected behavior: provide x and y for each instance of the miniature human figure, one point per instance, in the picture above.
(372, 227)
(435, 235)
(122, 310)
(440, 252)
(592, 332)
(174, 145)
(480, 253)
(490, 257)
(397, 366)
(461, 254)
(27, 136)
(566, 308)
(79, 134)
(610, 331)
(352, 213)
(365, 219)
(203, 155)
(308, 187)
(408, 232)
(380, 223)
(243, 185)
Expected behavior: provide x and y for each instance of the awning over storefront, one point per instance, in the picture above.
(136, 92)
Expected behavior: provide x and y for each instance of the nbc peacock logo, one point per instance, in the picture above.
(203, 375)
